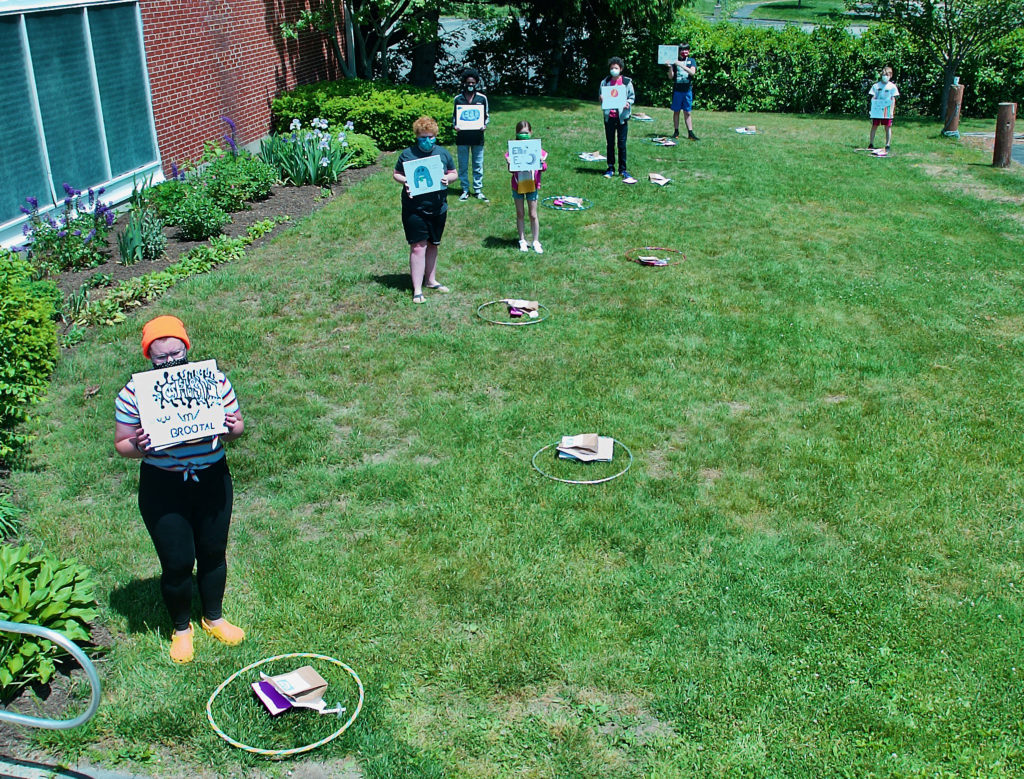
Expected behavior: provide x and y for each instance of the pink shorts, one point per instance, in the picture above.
(883, 122)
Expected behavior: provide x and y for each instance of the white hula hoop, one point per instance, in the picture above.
(543, 449)
(527, 320)
(294, 750)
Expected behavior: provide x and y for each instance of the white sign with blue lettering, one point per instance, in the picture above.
(180, 404)
(424, 175)
(667, 54)
(524, 155)
(469, 117)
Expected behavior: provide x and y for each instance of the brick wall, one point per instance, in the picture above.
(214, 58)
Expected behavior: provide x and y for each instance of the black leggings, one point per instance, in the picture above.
(188, 522)
(613, 128)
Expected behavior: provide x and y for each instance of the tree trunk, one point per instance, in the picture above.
(424, 53)
(557, 60)
(948, 74)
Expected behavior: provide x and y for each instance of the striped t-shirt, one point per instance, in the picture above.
(182, 458)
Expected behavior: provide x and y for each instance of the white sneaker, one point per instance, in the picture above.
(464, 197)
(524, 246)
(537, 247)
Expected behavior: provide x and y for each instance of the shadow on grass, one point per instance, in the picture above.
(140, 603)
(592, 171)
(400, 281)
(499, 242)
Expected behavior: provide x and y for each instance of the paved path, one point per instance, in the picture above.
(744, 12)
(34, 769)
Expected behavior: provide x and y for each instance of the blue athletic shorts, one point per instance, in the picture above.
(682, 101)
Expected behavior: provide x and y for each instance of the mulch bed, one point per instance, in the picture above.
(293, 202)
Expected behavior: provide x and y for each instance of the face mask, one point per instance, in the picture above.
(426, 144)
(522, 136)
(885, 79)
(615, 71)
(173, 363)
(471, 87)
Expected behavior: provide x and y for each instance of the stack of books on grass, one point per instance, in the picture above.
(586, 448)
(303, 688)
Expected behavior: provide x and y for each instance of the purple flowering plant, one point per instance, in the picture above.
(70, 237)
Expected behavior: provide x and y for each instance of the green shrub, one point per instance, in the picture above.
(28, 348)
(166, 197)
(233, 179)
(198, 217)
(40, 590)
(9, 517)
(385, 112)
(364, 151)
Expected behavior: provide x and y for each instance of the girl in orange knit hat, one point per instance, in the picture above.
(185, 497)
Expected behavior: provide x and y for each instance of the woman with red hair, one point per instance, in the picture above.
(424, 216)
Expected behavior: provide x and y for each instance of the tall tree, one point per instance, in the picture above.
(950, 31)
(370, 28)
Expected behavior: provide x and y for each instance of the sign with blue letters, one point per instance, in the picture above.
(524, 155)
(469, 117)
(424, 175)
(180, 404)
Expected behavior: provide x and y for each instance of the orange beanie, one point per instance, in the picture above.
(163, 327)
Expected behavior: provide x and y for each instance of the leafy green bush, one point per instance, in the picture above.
(9, 517)
(198, 217)
(40, 590)
(385, 112)
(28, 348)
(362, 148)
(233, 179)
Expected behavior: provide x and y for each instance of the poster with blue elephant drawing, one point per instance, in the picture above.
(524, 155)
(469, 117)
(424, 175)
(180, 404)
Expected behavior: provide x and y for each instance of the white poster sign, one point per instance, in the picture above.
(469, 117)
(881, 106)
(424, 175)
(613, 97)
(180, 404)
(667, 54)
(524, 155)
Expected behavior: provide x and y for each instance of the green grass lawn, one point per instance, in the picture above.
(813, 568)
(813, 11)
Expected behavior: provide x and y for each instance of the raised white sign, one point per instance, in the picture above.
(180, 404)
(614, 97)
(667, 54)
(469, 117)
(424, 175)
(524, 155)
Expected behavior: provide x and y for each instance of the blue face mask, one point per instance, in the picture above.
(426, 144)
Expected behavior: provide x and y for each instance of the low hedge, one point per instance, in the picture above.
(28, 347)
(385, 112)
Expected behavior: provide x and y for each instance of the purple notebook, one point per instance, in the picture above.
(271, 698)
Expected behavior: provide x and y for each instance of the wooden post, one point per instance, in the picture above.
(956, 97)
(1001, 153)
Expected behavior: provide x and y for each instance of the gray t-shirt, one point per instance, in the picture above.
(683, 80)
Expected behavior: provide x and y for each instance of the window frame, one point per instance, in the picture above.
(118, 187)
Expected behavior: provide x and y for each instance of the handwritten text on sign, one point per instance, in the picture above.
(524, 155)
(424, 175)
(180, 404)
(613, 97)
(667, 54)
(469, 117)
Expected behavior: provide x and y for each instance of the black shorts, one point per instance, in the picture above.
(423, 227)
